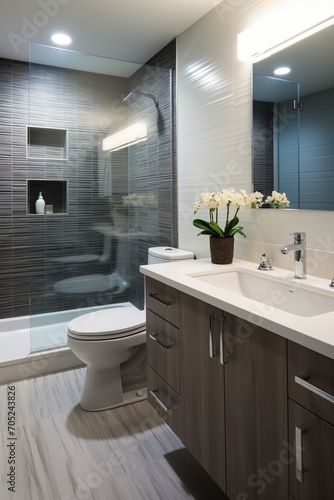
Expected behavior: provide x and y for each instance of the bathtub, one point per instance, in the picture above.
(27, 342)
(14, 338)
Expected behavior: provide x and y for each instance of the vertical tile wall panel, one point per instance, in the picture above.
(152, 167)
(50, 97)
(90, 106)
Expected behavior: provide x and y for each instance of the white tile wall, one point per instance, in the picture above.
(214, 141)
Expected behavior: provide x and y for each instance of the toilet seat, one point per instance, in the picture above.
(108, 324)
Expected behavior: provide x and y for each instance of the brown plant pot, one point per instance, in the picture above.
(221, 250)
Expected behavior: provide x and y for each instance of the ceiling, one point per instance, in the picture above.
(128, 30)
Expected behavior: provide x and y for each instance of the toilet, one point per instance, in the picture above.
(112, 343)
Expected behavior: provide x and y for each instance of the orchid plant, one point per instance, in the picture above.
(277, 200)
(233, 201)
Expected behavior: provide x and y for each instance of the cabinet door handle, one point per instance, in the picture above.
(300, 430)
(211, 350)
(165, 303)
(166, 408)
(223, 356)
(154, 337)
(301, 380)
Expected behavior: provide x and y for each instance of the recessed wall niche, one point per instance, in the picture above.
(47, 143)
(54, 194)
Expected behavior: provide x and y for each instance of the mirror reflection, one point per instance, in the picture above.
(293, 149)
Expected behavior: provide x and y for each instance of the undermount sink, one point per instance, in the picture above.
(289, 297)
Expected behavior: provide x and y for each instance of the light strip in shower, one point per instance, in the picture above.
(127, 137)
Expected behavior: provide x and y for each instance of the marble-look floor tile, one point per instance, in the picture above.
(45, 396)
(83, 458)
(135, 431)
(66, 453)
(189, 476)
(159, 480)
(107, 444)
(3, 408)
(55, 393)
(32, 476)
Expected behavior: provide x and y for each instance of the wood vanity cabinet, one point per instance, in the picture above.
(311, 423)
(223, 383)
(234, 401)
(163, 351)
(256, 412)
(202, 408)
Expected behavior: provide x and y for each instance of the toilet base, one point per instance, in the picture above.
(114, 376)
(129, 397)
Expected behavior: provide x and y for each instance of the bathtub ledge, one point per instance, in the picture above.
(38, 363)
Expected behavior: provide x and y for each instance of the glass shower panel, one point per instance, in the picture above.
(85, 251)
(72, 254)
(152, 172)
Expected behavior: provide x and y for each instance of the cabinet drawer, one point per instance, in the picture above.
(164, 399)
(312, 455)
(163, 300)
(163, 349)
(316, 372)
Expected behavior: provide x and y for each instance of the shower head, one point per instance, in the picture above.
(132, 95)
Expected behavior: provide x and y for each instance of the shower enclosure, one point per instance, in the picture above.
(103, 208)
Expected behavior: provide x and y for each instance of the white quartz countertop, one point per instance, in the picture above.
(314, 332)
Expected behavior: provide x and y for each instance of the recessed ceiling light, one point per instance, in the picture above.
(284, 70)
(61, 39)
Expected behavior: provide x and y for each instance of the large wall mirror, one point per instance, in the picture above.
(293, 123)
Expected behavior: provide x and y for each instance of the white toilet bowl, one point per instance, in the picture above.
(103, 340)
(111, 342)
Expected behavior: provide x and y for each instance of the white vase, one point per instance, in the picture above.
(40, 204)
(120, 220)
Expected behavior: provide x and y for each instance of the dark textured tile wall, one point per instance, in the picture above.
(263, 177)
(152, 166)
(31, 245)
(56, 98)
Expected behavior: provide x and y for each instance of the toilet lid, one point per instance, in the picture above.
(108, 323)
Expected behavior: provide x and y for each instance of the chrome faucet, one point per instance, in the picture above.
(299, 247)
(265, 264)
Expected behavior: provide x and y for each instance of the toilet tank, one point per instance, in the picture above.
(158, 255)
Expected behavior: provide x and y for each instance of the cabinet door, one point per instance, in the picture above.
(312, 458)
(202, 387)
(256, 412)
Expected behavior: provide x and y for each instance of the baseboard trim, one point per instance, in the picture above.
(39, 363)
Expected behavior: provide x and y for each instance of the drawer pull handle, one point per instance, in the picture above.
(165, 303)
(223, 356)
(154, 337)
(301, 381)
(211, 349)
(300, 430)
(160, 403)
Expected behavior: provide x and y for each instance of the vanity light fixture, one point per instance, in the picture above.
(127, 137)
(61, 39)
(282, 26)
(283, 70)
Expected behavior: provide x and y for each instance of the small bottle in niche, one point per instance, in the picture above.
(40, 204)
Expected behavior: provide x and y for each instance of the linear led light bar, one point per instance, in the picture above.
(127, 137)
(283, 26)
